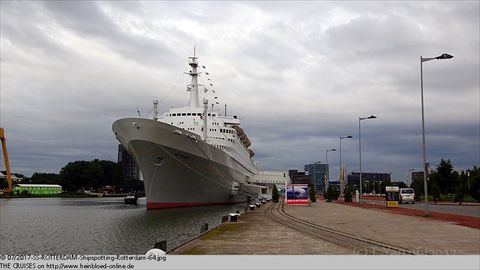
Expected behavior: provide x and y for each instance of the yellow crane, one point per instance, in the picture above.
(5, 158)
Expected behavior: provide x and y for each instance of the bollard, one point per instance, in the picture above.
(252, 207)
(204, 228)
(155, 252)
(224, 219)
(233, 217)
(161, 245)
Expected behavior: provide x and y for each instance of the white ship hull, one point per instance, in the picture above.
(179, 169)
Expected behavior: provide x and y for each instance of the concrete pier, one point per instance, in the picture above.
(256, 233)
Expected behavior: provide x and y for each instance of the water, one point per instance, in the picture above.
(98, 225)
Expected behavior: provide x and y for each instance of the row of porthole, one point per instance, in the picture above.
(189, 114)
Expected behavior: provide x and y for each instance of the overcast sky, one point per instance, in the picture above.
(298, 74)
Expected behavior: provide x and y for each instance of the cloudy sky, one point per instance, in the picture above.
(298, 74)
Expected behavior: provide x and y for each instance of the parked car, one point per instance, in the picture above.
(406, 195)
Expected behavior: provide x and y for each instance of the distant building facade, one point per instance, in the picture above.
(318, 173)
(270, 179)
(299, 177)
(416, 175)
(372, 182)
(130, 168)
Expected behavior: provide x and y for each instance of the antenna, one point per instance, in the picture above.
(138, 111)
(155, 110)
(225, 110)
(194, 49)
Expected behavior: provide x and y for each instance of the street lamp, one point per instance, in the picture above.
(360, 150)
(424, 165)
(341, 172)
(327, 173)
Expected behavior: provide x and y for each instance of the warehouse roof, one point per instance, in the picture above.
(37, 185)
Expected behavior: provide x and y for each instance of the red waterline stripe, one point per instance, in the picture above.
(159, 205)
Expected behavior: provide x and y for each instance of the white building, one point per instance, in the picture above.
(271, 178)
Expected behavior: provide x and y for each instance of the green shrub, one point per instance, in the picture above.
(275, 194)
(311, 193)
(347, 196)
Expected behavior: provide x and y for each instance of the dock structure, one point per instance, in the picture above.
(330, 229)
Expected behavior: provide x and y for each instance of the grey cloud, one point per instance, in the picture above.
(87, 19)
(298, 75)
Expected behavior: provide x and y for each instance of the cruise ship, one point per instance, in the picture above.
(190, 156)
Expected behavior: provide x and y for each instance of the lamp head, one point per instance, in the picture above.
(444, 56)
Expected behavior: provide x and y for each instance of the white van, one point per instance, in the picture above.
(406, 195)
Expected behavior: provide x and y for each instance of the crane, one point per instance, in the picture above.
(5, 158)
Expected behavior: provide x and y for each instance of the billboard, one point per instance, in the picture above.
(297, 194)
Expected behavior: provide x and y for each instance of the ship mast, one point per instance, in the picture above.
(193, 87)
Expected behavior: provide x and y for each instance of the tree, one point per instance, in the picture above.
(332, 194)
(81, 174)
(418, 187)
(275, 194)
(348, 194)
(473, 181)
(435, 193)
(117, 177)
(45, 178)
(109, 169)
(3, 183)
(311, 193)
(445, 177)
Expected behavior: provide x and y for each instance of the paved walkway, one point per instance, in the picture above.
(257, 234)
(466, 209)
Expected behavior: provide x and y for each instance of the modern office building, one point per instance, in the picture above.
(318, 173)
(130, 168)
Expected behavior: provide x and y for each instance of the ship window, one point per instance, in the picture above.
(189, 114)
(184, 114)
(214, 115)
(209, 114)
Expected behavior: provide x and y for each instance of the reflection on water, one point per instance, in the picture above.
(98, 225)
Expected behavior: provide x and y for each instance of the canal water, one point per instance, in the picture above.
(98, 225)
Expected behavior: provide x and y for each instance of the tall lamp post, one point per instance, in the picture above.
(326, 163)
(424, 165)
(341, 172)
(410, 176)
(360, 151)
